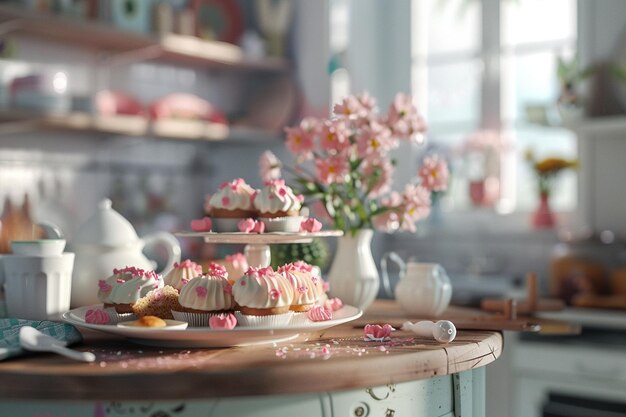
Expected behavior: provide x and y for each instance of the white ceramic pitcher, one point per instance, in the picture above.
(424, 289)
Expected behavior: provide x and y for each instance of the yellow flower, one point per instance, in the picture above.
(553, 165)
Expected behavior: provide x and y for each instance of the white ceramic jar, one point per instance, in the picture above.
(107, 241)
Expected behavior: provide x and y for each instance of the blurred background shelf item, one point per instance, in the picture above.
(172, 48)
(13, 121)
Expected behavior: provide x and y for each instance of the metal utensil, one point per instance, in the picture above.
(33, 339)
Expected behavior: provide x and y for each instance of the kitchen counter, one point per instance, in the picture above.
(332, 361)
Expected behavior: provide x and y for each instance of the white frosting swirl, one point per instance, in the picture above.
(305, 290)
(128, 285)
(263, 288)
(207, 293)
(275, 196)
(233, 195)
(182, 273)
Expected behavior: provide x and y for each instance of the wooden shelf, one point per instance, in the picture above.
(12, 121)
(172, 48)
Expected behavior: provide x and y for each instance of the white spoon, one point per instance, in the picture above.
(33, 339)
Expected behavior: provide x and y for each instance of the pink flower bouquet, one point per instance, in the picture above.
(345, 162)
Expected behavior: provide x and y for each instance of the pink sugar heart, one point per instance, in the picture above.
(223, 321)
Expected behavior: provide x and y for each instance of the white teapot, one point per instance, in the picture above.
(107, 241)
(424, 289)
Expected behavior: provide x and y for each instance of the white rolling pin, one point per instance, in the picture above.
(442, 331)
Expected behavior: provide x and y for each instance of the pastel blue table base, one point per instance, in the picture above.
(456, 395)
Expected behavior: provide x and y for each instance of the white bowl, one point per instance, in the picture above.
(40, 247)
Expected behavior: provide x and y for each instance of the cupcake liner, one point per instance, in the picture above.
(115, 317)
(276, 320)
(299, 318)
(194, 319)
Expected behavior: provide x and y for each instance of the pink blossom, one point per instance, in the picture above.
(434, 173)
(351, 107)
(367, 101)
(377, 333)
(310, 225)
(269, 166)
(300, 138)
(387, 222)
(332, 170)
(223, 321)
(416, 206)
(403, 118)
(377, 174)
(202, 225)
(334, 135)
(373, 139)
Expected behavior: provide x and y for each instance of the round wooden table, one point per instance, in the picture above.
(317, 367)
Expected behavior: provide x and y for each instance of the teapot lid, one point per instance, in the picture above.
(106, 227)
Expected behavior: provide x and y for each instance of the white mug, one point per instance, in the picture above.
(36, 287)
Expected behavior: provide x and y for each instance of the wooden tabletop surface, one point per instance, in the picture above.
(335, 359)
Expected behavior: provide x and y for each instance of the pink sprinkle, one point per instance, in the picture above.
(225, 201)
(310, 225)
(104, 287)
(282, 192)
(325, 351)
(246, 225)
(275, 294)
(184, 281)
(96, 316)
(302, 290)
(201, 291)
(242, 283)
(228, 289)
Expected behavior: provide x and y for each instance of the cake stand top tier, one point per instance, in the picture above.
(262, 238)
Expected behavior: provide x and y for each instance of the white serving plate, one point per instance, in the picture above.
(206, 337)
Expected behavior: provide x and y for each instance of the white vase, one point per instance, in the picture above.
(353, 276)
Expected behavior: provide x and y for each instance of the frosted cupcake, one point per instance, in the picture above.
(231, 203)
(205, 296)
(264, 298)
(120, 291)
(236, 265)
(305, 290)
(279, 207)
(182, 273)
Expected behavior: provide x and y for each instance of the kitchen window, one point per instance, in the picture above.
(491, 65)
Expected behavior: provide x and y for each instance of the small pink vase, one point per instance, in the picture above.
(543, 218)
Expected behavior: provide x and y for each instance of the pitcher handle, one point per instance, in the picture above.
(51, 230)
(171, 245)
(395, 258)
